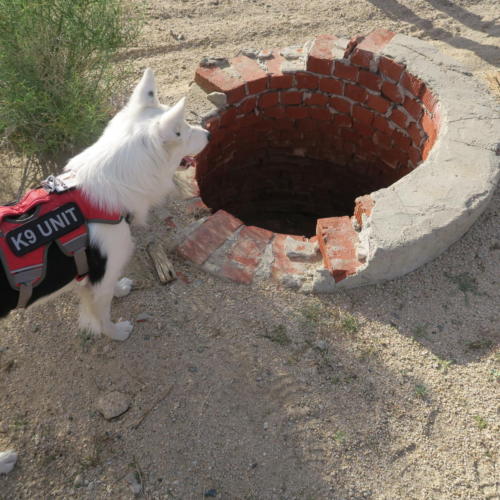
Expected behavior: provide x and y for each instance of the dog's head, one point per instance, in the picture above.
(168, 124)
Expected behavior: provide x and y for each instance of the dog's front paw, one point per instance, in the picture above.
(121, 330)
(123, 287)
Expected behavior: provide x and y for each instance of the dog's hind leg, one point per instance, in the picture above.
(116, 245)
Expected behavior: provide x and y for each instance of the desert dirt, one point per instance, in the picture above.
(258, 392)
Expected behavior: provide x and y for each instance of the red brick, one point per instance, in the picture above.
(275, 112)
(228, 117)
(392, 91)
(355, 92)
(345, 71)
(281, 263)
(320, 114)
(383, 140)
(269, 99)
(369, 80)
(412, 84)
(247, 105)
(331, 85)
(372, 43)
(306, 81)
(415, 134)
(200, 244)
(362, 128)
(212, 124)
(426, 149)
(274, 62)
(429, 100)
(281, 81)
(283, 124)
(247, 121)
(429, 126)
(249, 247)
(341, 105)
(413, 107)
(401, 140)
(399, 118)
(292, 97)
(391, 69)
(337, 242)
(362, 114)
(251, 72)
(232, 272)
(348, 134)
(320, 57)
(363, 206)
(377, 103)
(297, 112)
(306, 125)
(415, 155)
(215, 79)
(366, 146)
(393, 157)
(316, 99)
(383, 125)
(342, 121)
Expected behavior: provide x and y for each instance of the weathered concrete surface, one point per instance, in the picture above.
(422, 214)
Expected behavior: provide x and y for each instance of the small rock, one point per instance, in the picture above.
(141, 317)
(210, 493)
(134, 483)
(113, 404)
(266, 426)
(177, 36)
(7, 461)
(217, 98)
(251, 53)
(265, 54)
(210, 62)
(78, 482)
(292, 53)
(4, 427)
(321, 345)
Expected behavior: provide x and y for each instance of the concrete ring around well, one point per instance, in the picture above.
(405, 224)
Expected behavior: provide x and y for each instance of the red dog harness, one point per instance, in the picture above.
(55, 212)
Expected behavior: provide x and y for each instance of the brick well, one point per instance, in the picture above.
(305, 133)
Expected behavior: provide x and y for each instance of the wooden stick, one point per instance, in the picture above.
(151, 408)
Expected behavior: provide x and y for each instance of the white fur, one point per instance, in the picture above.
(129, 169)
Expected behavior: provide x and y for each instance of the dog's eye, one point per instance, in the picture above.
(178, 134)
(151, 93)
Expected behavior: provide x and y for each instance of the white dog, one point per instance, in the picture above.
(127, 171)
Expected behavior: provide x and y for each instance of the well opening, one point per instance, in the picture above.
(305, 145)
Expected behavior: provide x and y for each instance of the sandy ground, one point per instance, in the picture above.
(254, 392)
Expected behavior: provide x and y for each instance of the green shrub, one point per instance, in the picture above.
(56, 73)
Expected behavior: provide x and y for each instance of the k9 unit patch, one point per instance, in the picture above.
(46, 228)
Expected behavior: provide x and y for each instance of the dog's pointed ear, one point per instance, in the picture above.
(170, 124)
(145, 93)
